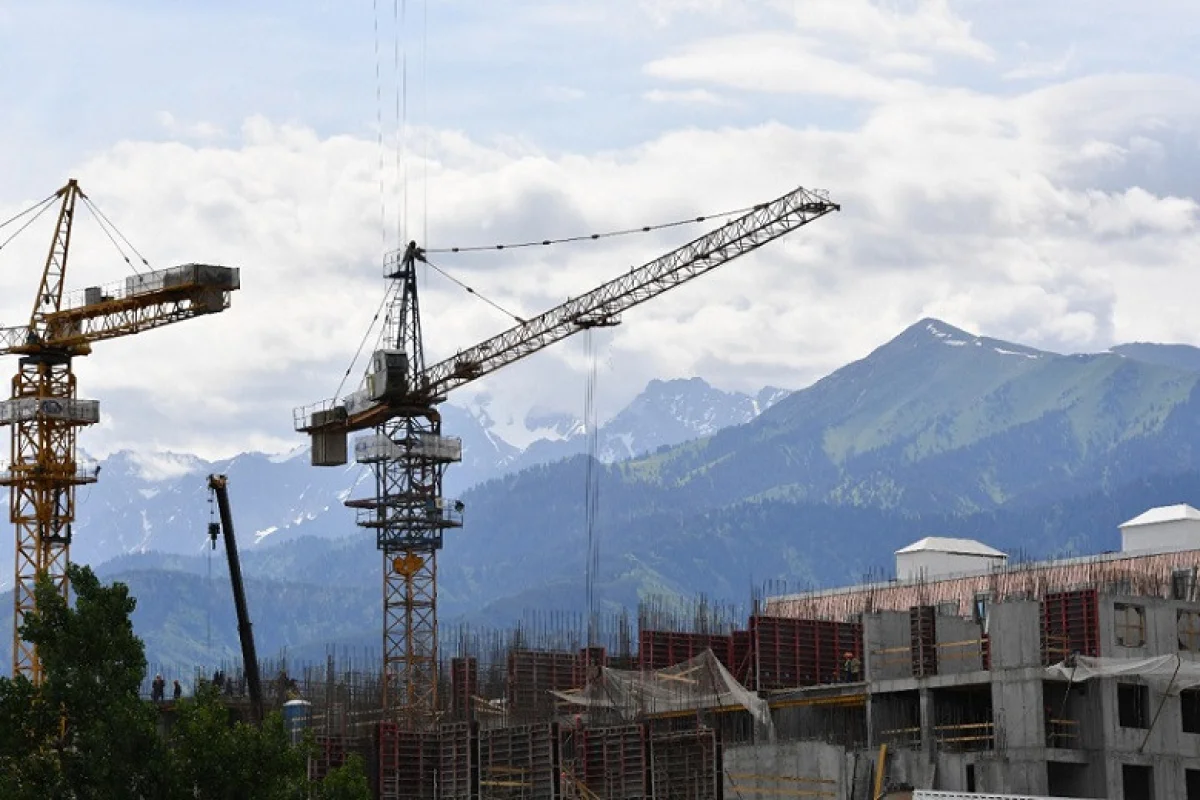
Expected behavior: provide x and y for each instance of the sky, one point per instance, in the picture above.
(1022, 170)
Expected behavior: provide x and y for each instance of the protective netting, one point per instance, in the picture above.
(701, 682)
(1169, 673)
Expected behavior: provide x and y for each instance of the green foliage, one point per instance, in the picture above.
(347, 782)
(219, 758)
(85, 734)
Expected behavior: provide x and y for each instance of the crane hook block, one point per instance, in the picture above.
(214, 528)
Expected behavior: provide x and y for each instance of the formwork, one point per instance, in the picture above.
(741, 657)
(611, 761)
(800, 652)
(1070, 624)
(662, 649)
(464, 687)
(409, 762)
(533, 674)
(686, 766)
(330, 754)
(458, 771)
(922, 625)
(519, 762)
(591, 660)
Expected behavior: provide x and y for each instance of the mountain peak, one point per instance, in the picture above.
(938, 329)
(930, 331)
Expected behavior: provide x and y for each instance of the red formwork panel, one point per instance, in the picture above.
(458, 774)
(686, 766)
(519, 762)
(662, 649)
(923, 651)
(388, 740)
(1070, 624)
(801, 652)
(611, 761)
(464, 686)
(533, 674)
(590, 660)
(418, 759)
(330, 754)
(741, 657)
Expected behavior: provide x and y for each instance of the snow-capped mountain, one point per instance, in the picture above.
(160, 501)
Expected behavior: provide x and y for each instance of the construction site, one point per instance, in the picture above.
(964, 674)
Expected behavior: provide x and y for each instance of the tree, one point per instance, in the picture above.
(347, 782)
(219, 758)
(84, 733)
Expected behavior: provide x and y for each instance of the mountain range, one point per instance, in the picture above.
(936, 432)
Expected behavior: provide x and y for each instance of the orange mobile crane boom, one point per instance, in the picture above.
(45, 412)
(409, 453)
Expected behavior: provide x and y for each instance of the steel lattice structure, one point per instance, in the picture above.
(409, 454)
(45, 413)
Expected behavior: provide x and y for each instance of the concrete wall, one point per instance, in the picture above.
(791, 769)
(1181, 534)
(958, 645)
(887, 639)
(932, 564)
(1015, 630)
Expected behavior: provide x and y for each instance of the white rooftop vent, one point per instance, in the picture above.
(936, 556)
(1162, 529)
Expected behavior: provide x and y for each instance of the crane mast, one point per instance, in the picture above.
(45, 412)
(409, 454)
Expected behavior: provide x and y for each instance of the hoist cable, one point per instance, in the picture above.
(595, 236)
(469, 290)
(425, 113)
(379, 133)
(591, 492)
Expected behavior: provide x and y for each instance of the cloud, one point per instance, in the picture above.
(1062, 217)
(699, 97)
(201, 131)
(930, 26)
(1041, 69)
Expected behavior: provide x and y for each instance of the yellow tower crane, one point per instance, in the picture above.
(45, 412)
(399, 402)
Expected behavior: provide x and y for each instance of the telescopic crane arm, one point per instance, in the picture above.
(219, 486)
(601, 306)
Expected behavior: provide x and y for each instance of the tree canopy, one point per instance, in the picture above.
(86, 733)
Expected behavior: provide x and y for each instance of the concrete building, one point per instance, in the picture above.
(958, 684)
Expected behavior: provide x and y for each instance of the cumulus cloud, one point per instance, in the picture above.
(1056, 216)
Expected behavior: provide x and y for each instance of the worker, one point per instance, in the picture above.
(157, 688)
(850, 667)
(178, 690)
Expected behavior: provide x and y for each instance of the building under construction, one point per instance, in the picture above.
(966, 673)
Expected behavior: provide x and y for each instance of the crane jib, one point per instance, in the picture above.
(600, 306)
